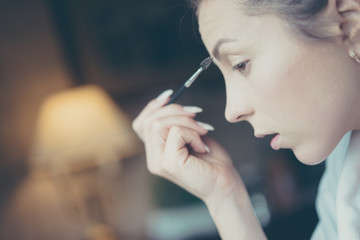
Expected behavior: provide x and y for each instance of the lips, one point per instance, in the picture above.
(260, 135)
(275, 139)
(275, 142)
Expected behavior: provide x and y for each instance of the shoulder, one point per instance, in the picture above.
(327, 199)
(336, 160)
(348, 197)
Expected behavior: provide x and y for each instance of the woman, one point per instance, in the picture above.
(291, 70)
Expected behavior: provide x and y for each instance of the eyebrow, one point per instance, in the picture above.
(220, 42)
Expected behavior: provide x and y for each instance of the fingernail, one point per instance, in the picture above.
(206, 126)
(192, 109)
(164, 95)
(352, 53)
(207, 149)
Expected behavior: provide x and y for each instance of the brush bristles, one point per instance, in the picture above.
(206, 63)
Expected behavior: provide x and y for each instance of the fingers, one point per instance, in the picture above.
(157, 131)
(175, 109)
(178, 139)
(155, 111)
(152, 106)
(176, 153)
(157, 103)
(161, 127)
(163, 158)
(172, 111)
(183, 166)
(218, 155)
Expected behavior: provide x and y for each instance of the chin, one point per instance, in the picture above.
(310, 157)
(317, 149)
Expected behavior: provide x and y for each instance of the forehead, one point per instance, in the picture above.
(225, 19)
(209, 9)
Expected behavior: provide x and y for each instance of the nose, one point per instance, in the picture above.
(238, 107)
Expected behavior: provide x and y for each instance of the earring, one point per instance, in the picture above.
(354, 56)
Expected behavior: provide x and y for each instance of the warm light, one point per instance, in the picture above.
(81, 127)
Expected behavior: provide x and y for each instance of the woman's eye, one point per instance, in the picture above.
(241, 67)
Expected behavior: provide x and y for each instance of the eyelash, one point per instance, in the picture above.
(241, 67)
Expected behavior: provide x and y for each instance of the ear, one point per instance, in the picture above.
(349, 10)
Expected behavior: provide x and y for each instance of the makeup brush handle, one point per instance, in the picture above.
(176, 95)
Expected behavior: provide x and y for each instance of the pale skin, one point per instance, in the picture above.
(304, 92)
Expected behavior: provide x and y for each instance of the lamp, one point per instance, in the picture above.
(79, 131)
(81, 128)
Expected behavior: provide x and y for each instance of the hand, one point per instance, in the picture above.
(177, 149)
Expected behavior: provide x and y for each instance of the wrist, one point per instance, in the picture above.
(233, 214)
(234, 198)
(229, 186)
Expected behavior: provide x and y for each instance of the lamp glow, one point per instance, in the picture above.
(79, 128)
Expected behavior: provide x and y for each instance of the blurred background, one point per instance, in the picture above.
(73, 75)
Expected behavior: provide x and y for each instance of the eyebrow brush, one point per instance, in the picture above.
(203, 66)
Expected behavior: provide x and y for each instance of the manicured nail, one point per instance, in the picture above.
(164, 95)
(206, 126)
(192, 109)
(207, 149)
(352, 53)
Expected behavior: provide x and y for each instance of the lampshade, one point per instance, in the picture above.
(79, 128)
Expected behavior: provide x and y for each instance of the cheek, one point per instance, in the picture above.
(303, 99)
(281, 88)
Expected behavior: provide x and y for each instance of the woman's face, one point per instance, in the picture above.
(281, 85)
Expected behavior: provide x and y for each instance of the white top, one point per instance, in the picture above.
(338, 201)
